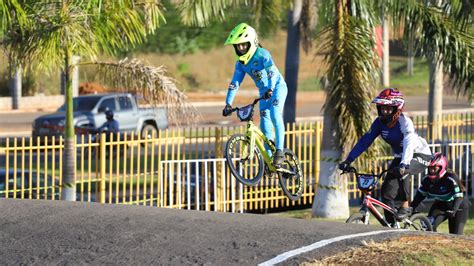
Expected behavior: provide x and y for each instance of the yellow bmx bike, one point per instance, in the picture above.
(248, 160)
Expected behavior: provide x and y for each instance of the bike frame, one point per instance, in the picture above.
(369, 205)
(257, 138)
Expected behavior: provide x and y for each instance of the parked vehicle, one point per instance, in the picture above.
(89, 112)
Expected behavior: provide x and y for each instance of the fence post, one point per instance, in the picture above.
(218, 153)
(102, 167)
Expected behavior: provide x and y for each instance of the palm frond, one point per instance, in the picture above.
(352, 75)
(84, 28)
(267, 14)
(443, 32)
(201, 12)
(152, 83)
(11, 12)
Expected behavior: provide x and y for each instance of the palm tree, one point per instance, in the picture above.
(443, 31)
(47, 33)
(351, 68)
(10, 11)
(301, 23)
(352, 78)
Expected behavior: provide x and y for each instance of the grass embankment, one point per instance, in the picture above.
(439, 249)
(407, 250)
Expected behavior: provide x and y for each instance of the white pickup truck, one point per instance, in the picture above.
(89, 112)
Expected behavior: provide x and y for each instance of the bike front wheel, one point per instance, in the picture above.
(291, 178)
(418, 222)
(246, 165)
(356, 218)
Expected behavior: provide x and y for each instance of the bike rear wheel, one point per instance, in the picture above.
(418, 222)
(247, 170)
(356, 218)
(291, 184)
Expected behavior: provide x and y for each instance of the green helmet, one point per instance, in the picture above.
(243, 33)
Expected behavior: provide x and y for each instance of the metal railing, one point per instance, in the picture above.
(131, 170)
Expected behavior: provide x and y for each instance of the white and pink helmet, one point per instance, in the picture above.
(390, 97)
(437, 167)
(393, 98)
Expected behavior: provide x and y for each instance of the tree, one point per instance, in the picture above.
(443, 31)
(12, 16)
(301, 24)
(47, 33)
(352, 76)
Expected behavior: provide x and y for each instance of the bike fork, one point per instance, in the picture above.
(365, 214)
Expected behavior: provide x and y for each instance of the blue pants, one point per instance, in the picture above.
(271, 116)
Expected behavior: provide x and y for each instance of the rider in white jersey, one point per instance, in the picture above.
(411, 152)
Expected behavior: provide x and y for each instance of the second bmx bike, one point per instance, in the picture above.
(367, 183)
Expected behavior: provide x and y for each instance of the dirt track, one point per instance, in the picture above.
(41, 232)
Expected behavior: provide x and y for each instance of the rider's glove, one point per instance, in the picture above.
(403, 169)
(227, 110)
(344, 166)
(268, 94)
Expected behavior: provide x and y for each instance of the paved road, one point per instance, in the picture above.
(46, 232)
(13, 123)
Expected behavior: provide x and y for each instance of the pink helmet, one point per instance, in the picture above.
(437, 167)
(390, 97)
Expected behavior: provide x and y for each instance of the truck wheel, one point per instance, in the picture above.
(148, 131)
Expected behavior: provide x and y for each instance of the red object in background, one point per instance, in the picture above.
(378, 40)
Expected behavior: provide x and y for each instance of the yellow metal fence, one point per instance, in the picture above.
(131, 170)
(179, 168)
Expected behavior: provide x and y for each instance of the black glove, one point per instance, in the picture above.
(268, 94)
(403, 169)
(344, 166)
(399, 171)
(227, 110)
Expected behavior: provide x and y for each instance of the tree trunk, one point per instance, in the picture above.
(292, 61)
(386, 50)
(15, 85)
(411, 57)
(331, 200)
(74, 77)
(435, 100)
(69, 162)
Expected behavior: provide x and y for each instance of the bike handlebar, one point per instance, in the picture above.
(354, 170)
(253, 104)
